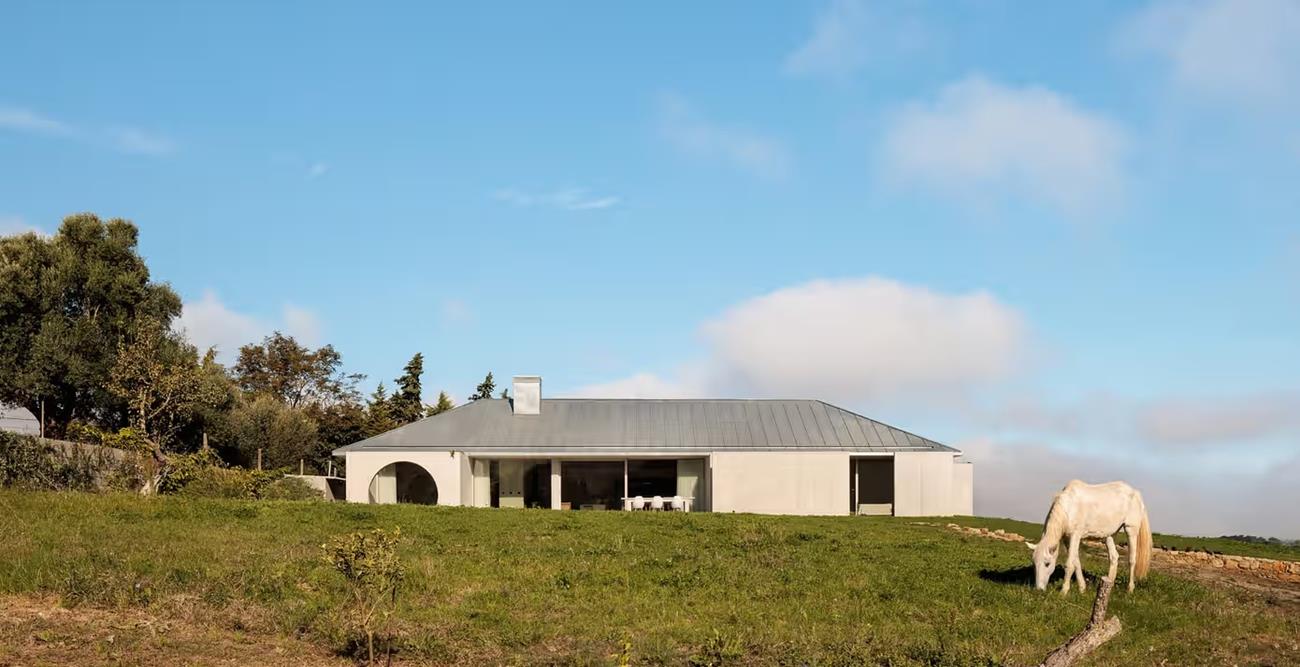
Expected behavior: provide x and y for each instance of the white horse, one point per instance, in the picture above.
(1093, 510)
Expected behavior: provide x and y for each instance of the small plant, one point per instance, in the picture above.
(374, 574)
(289, 488)
(717, 651)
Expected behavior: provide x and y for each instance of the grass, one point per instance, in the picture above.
(1212, 544)
(545, 587)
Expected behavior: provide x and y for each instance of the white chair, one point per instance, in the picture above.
(657, 503)
(679, 504)
(638, 503)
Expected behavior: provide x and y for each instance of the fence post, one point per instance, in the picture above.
(259, 459)
(42, 418)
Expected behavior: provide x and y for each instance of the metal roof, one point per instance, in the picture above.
(648, 426)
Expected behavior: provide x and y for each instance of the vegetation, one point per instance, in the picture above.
(374, 572)
(88, 335)
(541, 587)
(484, 388)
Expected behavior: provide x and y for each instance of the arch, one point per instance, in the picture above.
(403, 482)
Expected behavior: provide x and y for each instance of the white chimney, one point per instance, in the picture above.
(527, 394)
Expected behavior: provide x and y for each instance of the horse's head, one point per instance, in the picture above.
(1044, 562)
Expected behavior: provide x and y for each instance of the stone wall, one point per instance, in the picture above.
(1259, 567)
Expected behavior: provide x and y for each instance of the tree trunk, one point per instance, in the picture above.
(1098, 631)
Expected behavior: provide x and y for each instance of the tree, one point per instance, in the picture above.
(337, 425)
(505, 394)
(444, 404)
(405, 405)
(158, 376)
(65, 302)
(296, 376)
(484, 389)
(379, 419)
(284, 434)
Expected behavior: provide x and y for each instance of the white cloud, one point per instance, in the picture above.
(568, 199)
(640, 385)
(210, 323)
(316, 170)
(121, 138)
(1019, 479)
(741, 148)
(855, 340)
(979, 136)
(1239, 51)
(850, 34)
(13, 224)
(135, 140)
(1204, 421)
(26, 120)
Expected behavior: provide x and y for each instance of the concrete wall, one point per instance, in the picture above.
(923, 484)
(780, 482)
(444, 467)
(962, 493)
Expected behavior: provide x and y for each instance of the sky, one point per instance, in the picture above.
(1060, 236)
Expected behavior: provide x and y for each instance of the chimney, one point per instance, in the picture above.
(527, 394)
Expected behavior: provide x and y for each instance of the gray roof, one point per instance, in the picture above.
(648, 425)
(18, 420)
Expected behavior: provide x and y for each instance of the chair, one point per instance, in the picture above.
(638, 503)
(679, 504)
(657, 503)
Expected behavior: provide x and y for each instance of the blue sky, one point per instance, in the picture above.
(1062, 237)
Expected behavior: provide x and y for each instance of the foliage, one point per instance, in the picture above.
(404, 406)
(296, 376)
(484, 388)
(373, 572)
(379, 417)
(182, 469)
(158, 375)
(290, 488)
(66, 301)
(214, 482)
(717, 651)
(337, 425)
(444, 404)
(284, 434)
(32, 463)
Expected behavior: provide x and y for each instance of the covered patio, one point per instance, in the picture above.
(591, 483)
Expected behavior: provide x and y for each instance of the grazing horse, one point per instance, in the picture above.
(1093, 510)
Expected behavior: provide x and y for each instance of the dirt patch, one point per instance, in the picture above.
(36, 630)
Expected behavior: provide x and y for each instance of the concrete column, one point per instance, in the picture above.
(555, 484)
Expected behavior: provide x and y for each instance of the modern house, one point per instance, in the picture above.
(762, 456)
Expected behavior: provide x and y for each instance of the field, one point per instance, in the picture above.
(115, 579)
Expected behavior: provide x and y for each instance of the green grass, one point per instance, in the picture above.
(545, 587)
(1212, 544)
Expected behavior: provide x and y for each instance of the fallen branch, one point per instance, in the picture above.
(1098, 631)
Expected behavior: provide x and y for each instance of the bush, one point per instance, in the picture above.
(374, 574)
(214, 482)
(290, 488)
(32, 463)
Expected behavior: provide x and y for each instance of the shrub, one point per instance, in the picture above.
(373, 572)
(214, 482)
(32, 463)
(181, 469)
(290, 488)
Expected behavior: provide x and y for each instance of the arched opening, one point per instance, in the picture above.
(403, 482)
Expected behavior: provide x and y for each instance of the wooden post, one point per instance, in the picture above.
(205, 441)
(299, 466)
(42, 418)
(259, 458)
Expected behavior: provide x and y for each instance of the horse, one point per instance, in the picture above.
(1093, 510)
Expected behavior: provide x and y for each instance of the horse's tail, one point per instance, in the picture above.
(1143, 547)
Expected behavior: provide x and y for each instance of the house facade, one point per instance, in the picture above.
(763, 456)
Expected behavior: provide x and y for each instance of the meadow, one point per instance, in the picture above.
(592, 588)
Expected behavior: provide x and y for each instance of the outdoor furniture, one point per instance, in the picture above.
(678, 504)
(638, 503)
(657, 503)
(634, 503)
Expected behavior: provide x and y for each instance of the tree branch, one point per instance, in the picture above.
(1098, 631)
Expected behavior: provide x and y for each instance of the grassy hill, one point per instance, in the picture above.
(543, 587)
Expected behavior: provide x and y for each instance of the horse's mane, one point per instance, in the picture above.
(1054, 524)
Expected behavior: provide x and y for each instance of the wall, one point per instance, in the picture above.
(962, 493)
(811, 483)
(444, 467)
(923, 483)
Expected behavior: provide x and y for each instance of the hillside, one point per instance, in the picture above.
(92, 579)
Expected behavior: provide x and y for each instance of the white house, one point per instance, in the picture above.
(763, 456)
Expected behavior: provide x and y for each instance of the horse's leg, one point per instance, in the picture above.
(1132, 555)
(1114, 557)
(1071, 562)
(1078, 568)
